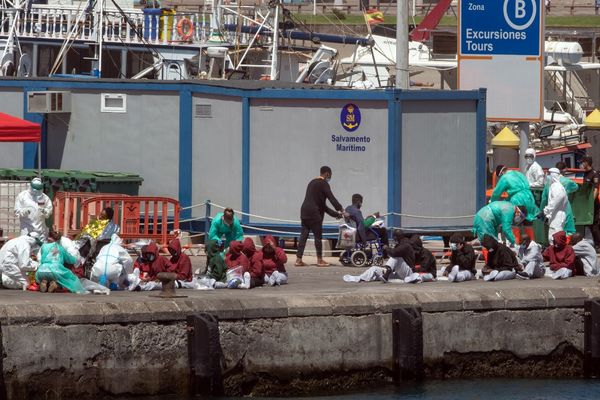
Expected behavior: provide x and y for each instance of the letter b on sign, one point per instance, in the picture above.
(524, 13)
(520, 9)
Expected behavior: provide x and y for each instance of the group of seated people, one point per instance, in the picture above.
(244, 266)
(409, 262)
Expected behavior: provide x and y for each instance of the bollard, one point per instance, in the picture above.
(168, 285)
(205, 355)
(407, 325)
(591, 345)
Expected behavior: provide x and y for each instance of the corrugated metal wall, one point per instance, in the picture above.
(438, 162)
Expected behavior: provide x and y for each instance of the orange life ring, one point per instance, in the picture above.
(185, 29)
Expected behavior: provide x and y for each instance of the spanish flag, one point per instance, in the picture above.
(374, 16)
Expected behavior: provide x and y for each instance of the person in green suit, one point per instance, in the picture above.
(498, 215)
(52, 272)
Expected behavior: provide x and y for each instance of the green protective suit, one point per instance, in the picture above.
(515, 184)
(52, 268)
(215, 264)
(497, 214)
(218, 229)
(570, 187)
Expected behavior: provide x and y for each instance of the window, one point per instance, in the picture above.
(113, 103)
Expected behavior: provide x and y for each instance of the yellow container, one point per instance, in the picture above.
(167, 18)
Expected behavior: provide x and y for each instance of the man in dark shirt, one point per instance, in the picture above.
(592, 177)
(312, 213)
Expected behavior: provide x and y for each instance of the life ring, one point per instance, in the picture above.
(185, 29)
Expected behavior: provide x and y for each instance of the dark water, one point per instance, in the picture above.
(471, 389)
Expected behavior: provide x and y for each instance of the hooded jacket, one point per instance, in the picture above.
(557, 198)
(152, 268)
(584, 250)
(403, 249)
(570, 187)
(560, 255)
(273, 261)
(15, 258)
(235, 256)
(534, 173)
(215, 264)
(465, 258)
(424, 260)
(112, 261)
(180, 263)
(516, 185)
(249, 248)
(500, 257)
(33, 207)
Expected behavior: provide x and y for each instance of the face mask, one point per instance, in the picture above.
(359, 205)
(453, 246)
(328, 179)
(491, 250)
(581, 166)
(150, 257)
(529, 161)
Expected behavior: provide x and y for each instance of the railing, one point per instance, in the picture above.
(133, 26)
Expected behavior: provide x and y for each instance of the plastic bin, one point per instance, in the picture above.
(78, 181)
(167, 18)
(151, 16)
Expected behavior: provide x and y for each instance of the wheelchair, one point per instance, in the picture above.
(364, 254)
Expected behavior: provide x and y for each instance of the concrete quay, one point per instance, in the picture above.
(316, 334)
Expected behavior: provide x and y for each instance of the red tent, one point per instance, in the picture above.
(13, 129)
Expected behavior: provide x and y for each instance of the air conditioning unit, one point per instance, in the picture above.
(49, 102)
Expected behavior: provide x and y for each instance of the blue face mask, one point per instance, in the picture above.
(328, 179)
(453, 246)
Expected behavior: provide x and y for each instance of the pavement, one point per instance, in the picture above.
(323, 285)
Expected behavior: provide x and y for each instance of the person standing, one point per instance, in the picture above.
(32, 207)
(534, 172)
(591, 177)
(556, 210)
(313, 211)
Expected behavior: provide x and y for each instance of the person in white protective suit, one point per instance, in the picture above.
(558, 202)
(32, 207)
(534, 172)
(16, 260)
(112, 265)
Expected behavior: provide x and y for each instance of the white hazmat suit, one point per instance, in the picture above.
(534, 172)
(32, 207)
(15, 261)
(558, 202)
(112, 265)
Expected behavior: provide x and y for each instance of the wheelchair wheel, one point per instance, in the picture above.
(378, 261)
(359, 259)
(345, 259)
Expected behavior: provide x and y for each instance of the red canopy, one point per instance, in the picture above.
(13, 129)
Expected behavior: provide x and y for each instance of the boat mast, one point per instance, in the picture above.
(275, 47)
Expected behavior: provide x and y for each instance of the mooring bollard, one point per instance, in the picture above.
(205, 355)
(591, 343)
(168, 285)
(407, 325)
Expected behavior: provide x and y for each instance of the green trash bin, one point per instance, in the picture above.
(108, 182)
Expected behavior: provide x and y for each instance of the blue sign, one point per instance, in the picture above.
(500, 27)
(350, 117)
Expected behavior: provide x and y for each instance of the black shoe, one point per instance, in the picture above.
(523, 275)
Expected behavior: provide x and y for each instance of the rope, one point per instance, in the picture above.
(194, 206)
(259, 216)
(429, 216)
(284, 232)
